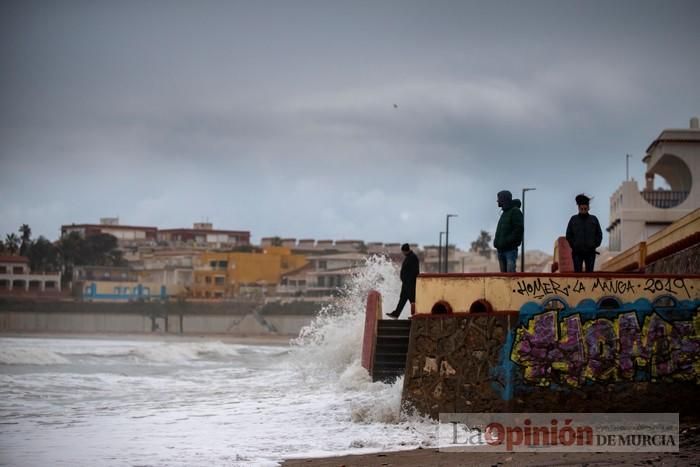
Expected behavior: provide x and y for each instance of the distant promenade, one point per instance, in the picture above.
(233, 318)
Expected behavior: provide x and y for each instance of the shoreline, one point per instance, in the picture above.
(424, 457)
(687, 455)
(278, 340)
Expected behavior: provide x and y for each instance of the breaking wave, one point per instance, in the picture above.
(145, 352)
(30, 356)
(330, 348)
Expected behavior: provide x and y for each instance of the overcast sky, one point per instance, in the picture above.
(363, 120)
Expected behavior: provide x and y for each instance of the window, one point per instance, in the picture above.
(219, 280)
(223, 264)
(212, 264)
(117, 290)
(322, 265)
(207, 279)
(3, 270)
(17, 270)
(146, 291)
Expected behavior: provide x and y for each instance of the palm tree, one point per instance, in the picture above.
(26, 232)
(12, 243)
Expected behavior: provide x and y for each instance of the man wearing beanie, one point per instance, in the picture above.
(584, 235)
(409, 273)
(509, 233)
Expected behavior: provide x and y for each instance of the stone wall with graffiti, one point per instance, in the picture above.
(451, 361)
(573, 344)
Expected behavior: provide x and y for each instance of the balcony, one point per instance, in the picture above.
(664, 199)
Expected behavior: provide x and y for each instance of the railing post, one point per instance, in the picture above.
(373, 313)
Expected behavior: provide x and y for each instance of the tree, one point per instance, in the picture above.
(482, 245)
(26, 232)
(96, 250)
(12, 243)
(43, 256)
(276, 241)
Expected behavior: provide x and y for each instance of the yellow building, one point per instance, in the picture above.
(226, 275)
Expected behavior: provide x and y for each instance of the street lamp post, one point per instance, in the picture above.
(440, 252)
(447, 241)
(522, 256)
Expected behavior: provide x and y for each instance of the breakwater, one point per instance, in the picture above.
(236, 318)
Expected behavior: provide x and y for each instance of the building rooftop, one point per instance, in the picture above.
(13, 259)
(676, 135)
(109, 226)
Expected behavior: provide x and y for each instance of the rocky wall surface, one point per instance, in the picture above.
(684, 262)
(451, 363)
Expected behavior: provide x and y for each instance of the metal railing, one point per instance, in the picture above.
(664, 199)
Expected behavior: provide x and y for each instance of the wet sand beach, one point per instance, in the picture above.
(688, 455)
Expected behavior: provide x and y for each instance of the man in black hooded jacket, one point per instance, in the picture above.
(409, 273)
(509, 231)
(584, 235)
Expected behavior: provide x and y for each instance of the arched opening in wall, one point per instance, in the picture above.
(481, 306)
(441, 308)
(665, 301)
(555, 304)
(673, 185)
(609, 303)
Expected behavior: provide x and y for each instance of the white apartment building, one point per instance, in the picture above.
(637, 214)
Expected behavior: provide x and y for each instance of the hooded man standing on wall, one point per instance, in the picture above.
(509, 233)
(409, 273)
(584, 235)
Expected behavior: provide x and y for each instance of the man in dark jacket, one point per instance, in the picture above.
(409, 272)
(509, 233)
(584, 235)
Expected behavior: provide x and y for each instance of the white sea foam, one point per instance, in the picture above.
(333, 341)
(30, 356)
(183, 353)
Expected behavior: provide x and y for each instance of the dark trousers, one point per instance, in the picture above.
(407, 294)
(583, 258)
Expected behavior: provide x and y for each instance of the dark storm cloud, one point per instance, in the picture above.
(333, 119)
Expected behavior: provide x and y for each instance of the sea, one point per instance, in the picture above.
(189, 401)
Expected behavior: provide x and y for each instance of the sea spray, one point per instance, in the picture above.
(333, 340)
(328, 351)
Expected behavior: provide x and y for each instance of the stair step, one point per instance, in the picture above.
(390, 323)
(386, 377)
(393, 332)
(391, 349)
(384, 349)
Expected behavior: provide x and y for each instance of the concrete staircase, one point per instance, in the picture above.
(391, 349)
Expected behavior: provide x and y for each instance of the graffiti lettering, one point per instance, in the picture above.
(613, 286)
(579, 287)
(539, 288)
(673, 286)
(567, 351)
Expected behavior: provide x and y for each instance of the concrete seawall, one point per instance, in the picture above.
(512, 363)
(555, 343)
(231, 318)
